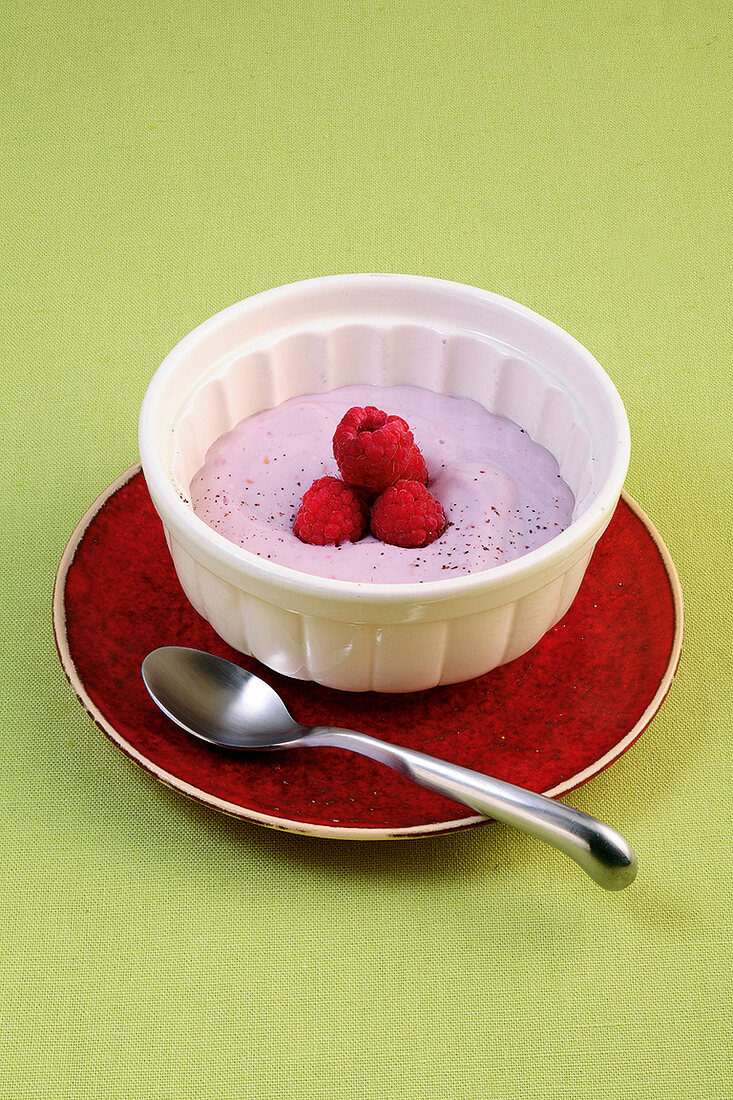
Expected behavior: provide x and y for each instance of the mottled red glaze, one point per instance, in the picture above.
(538, 721)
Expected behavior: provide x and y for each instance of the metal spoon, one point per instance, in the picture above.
(227, 706)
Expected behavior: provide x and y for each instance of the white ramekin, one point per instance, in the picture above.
(319, 334)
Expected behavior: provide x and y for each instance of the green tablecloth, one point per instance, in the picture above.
(165, 160)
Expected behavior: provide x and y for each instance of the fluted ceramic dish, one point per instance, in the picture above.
(317, 335)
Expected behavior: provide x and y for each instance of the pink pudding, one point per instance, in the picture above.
(502, 493)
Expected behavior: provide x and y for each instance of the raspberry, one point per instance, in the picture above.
(331, 512)
(405, 514)
(415, 470)
(371, 448)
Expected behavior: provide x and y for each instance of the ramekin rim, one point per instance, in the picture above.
(180, 516)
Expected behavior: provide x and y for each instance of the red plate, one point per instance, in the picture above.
(549, 720)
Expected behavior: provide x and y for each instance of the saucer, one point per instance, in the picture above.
(549, 720)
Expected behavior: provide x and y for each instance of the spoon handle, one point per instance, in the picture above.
(597, 848)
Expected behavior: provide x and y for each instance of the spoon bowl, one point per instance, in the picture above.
(227, 706)
(218, 701)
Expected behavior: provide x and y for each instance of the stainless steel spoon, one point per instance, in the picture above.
(225, 705)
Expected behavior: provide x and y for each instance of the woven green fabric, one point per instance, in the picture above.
(165, 160)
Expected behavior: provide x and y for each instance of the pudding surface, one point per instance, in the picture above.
(502, 493)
